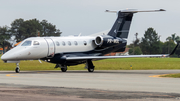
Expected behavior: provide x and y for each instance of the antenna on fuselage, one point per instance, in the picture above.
(39, 61)
(79, 35)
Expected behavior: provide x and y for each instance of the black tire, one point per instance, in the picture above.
(90, 69)
(63, 69)
(17, 70)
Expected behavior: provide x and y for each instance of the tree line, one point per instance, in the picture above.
(150, 44)
(21, 29)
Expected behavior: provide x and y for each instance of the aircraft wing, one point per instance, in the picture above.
(127, 56)
(109, 57)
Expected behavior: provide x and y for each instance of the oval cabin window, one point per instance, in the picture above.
(75, 42)
(63, 43)
(57, 43)
(69, 43)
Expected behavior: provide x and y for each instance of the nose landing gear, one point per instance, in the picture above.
(17, 70)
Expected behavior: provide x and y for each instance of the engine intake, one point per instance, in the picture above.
(107, 41)
(99, 40)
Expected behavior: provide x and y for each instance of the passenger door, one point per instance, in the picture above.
(51, 46)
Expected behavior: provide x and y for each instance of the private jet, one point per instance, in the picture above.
(74, 50)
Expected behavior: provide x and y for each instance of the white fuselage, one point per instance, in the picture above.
(41, 47)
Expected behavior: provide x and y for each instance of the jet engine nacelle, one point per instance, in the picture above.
(104, 41)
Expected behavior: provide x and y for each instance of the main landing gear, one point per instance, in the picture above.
(89, 66)
(63, 67)
(17, 70)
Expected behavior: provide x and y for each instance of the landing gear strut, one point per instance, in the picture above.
(89, 66)
(63, 67)
(17, 70)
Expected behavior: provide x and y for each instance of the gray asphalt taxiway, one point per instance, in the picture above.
(99, 85)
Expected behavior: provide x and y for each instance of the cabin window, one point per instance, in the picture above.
(75, 42)
(85, 43)
(36, 43)
(69, 43)
(63, 43)
(57, 43)
(26, 43)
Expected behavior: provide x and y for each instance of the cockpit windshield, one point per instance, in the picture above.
(26, 43)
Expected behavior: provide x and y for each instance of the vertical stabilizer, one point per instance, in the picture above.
(122, 24)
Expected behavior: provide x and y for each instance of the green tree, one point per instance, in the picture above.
(49, 29)
(31, 28)
(134, 47)
(150, 42)
(131, 51)
(136, 42)
(177, 39)
(168, 47)
(173, 37)
(4, 37)
(17, 29)
(137, 51)
(169, 44)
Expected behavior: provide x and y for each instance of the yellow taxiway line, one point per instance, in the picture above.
(156, 76)
(10, 75)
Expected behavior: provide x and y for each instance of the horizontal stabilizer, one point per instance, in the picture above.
(135, 11)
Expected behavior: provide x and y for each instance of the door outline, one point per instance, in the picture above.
(51, 46)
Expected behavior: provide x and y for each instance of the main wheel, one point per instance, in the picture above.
(63, 69)
(91, 69)
(17, 70)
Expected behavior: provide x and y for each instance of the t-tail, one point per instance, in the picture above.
(122, 24)
(117, 36)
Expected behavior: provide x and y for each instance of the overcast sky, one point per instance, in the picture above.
(88, 16)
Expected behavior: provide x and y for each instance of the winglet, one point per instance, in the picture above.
(174, 49)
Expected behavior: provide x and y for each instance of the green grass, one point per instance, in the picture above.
(138, 63)
(107, 64)
(171, 75)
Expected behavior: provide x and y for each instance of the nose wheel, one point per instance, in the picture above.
(17, 70)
